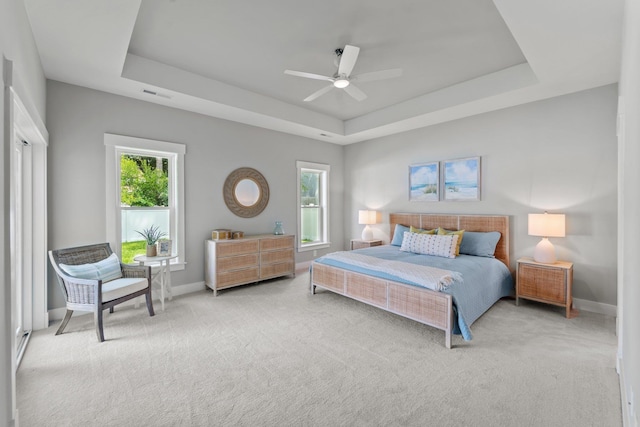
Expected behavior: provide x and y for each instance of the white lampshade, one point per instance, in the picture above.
(546, 225)
(367, 217)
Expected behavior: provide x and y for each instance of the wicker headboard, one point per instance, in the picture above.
(459, 222)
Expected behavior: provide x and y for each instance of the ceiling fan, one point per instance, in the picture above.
(342, 79)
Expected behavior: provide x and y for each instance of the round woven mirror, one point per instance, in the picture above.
(246, 192)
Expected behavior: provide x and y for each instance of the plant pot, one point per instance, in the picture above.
(152, 250)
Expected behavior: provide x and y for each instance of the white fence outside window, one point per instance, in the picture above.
(139, 219)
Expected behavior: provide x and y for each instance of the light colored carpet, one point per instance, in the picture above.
(274, 355)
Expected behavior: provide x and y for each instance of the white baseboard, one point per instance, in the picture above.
(629, 419)
(303, 267)
(595, 307)
(56, 314)
(188, 288)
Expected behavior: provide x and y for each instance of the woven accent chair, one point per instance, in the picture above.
(97, 293)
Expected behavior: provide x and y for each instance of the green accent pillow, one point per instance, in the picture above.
(460, 233)
(422, 231)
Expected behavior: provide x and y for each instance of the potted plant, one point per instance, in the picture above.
(151, 236)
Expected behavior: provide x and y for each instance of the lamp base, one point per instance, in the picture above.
(367, 233)
(545, 252)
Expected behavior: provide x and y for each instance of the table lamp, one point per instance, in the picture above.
(546, 225)
(367, 218)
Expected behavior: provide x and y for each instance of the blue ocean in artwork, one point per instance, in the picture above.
(423, 182)
(419, 187)
(461, 181)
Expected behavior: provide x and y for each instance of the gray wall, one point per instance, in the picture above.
(629, 232)
(17, 45)
(557, 155)
(79, 117)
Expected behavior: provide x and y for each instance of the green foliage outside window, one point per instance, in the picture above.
(144, 181)
(309, 186)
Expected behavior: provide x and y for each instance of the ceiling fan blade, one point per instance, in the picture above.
(319, 93)
(378, 75)
(355, 92)
(348, 59)
(308, 75)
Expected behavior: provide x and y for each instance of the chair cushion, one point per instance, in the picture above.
(107, 269)
(122, 287)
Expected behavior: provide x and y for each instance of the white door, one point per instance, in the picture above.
(21, 234)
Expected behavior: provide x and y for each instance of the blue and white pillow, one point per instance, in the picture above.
(430, 244)
(106, 270)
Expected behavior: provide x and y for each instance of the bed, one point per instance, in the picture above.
(478, 281)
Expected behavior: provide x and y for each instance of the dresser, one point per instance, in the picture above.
(250, 259)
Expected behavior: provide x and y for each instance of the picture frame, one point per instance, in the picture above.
(461, 179)
(164, 247)
(424, 182)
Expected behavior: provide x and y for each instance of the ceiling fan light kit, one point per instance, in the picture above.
(341, 82)
(346, 60)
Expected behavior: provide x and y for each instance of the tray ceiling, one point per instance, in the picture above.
(227, 58)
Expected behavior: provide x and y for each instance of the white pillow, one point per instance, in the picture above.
(430, 244)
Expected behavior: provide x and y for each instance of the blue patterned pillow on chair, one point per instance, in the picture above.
(108, 269)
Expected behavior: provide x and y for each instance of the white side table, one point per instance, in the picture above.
(164, 272)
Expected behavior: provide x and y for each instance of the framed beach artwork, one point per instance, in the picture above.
(461, 179)
(424, 182)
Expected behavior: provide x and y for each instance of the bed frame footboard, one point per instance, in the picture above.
(420, 304)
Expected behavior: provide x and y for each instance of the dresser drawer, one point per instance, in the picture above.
(240, 247)
(275, 243)
(237, 277)
(276, 256)
(542, 283)
(237, 262)
(276, 270)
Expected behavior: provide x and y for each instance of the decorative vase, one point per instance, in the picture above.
(152, 250)
(278, 230)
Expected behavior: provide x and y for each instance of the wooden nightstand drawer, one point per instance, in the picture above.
(543, 283)
(359, 244)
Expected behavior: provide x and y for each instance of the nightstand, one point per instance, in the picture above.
(548, 283)
(359, 243)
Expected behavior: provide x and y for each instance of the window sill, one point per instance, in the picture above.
(314, 246)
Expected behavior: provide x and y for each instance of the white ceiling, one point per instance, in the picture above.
(226, 58)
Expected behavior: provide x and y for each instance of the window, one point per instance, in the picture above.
(145, 187)
(313, 200)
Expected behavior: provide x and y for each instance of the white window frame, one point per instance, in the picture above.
(115, 145)
(325, 171)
